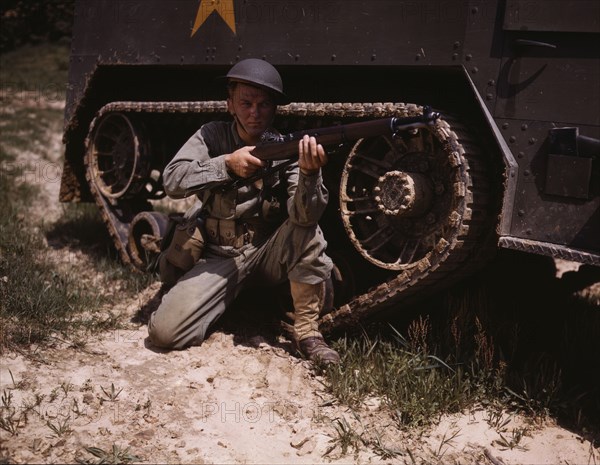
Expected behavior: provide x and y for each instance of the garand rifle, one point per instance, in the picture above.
(275, 146)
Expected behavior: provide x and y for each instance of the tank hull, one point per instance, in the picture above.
(517, 86)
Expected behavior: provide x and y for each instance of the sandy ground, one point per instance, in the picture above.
(232, 401)
(238, 398)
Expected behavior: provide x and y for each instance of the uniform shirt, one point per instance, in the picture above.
(199, 168)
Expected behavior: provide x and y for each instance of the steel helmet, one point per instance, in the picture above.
(260, 73)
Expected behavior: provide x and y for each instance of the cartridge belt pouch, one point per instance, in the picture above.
(233, 233)
(187, 245)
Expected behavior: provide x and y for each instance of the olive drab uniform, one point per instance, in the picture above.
(245, 245)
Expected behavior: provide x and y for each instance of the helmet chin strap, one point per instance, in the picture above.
(241, 126)
(239, 123)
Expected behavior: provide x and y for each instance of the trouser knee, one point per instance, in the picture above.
(160, 336)
(312, 263)
(168, 333)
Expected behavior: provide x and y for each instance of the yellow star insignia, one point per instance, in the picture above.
(223, 7)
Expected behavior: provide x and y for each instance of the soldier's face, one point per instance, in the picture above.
(254, 108)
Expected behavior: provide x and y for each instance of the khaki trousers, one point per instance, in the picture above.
(203, 294)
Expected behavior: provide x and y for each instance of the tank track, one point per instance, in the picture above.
(448, 262)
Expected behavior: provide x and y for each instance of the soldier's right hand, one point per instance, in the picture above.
(242, 163)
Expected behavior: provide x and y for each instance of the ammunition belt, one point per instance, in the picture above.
(235, 233)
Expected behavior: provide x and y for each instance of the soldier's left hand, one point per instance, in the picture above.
(311, 156)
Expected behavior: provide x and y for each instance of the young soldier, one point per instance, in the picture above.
(244, 246)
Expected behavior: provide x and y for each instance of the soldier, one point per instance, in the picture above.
(244, 245)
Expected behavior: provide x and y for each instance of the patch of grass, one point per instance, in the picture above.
(36, 300)
(417, 382)
(81, 227)
(40, 300)
(25, 128)
(35, 71)
(416, 386)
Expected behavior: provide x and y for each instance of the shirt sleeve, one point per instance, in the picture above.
(193, 170)
(308, 196)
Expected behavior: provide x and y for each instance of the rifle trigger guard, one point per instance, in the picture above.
(267, 169)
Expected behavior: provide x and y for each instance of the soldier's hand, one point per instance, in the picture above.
(311, 156)
(242, 163)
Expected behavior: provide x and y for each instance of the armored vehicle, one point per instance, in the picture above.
(512, 162)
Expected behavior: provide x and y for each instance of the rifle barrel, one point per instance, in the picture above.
(286, 146)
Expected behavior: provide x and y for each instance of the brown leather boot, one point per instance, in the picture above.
(316, 350)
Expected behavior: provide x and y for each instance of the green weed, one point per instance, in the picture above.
(112, 393)
(514, 440)
(10, 419)
(445, 442)
(346, 437)
(60, 427)
(116, 455)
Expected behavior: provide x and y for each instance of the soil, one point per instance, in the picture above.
(241, 397)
